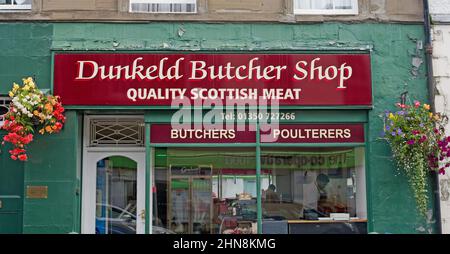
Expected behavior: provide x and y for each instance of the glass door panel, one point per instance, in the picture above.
(116, 196)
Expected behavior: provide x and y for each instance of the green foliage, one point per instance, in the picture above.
(418, 143)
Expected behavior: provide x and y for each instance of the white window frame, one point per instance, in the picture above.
(4, 102)
(352, 11)
(161, 2)
(15, 7)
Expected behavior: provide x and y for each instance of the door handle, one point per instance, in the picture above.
(142, 214)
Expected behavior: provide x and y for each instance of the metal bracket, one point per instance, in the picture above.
(403, 97)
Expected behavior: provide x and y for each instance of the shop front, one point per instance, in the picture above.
(221, 143)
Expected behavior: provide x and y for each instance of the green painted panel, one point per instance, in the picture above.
(10, 203)
(10, 223)
(11, 191)
(11, 172)
(25, 51)
(53, 163)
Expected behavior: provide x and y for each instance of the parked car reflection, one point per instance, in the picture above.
(120, 221)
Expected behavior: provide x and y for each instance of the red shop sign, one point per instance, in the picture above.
(286, 133)
(164, 133)
(157, 79)
(314, 133)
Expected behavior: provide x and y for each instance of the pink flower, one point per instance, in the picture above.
(416, 104)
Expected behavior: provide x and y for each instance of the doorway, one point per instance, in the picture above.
(113, 189)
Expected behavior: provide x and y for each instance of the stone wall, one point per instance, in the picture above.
(216, 10)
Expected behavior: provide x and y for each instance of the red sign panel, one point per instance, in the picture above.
(315, 133)
(158, 79)
(286, 133)
(164, 133)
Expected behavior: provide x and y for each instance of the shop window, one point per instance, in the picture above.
(326, 7)
(123, 131)
(4, 107)
(205, 190)
(314, 184)
(163, 6)
(15, 5)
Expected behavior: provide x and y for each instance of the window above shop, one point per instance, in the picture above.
(15, 5)
(164, 6)
(326, 7)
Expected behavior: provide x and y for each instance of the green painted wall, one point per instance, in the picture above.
(24, 51)
(11, 192)
(392, 208)
(54, 163)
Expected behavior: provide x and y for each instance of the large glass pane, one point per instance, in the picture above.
(205, 190)
(116, 196)
(313, 184)
(178, 216)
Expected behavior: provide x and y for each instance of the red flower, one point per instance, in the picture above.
(442, 171)
(58, 126)
(23, 157)
(27, 139)
(16, 151)
(13, 157)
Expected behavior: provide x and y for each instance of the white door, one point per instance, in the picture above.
(113, 194)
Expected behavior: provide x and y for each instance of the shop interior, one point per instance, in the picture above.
(215, 190)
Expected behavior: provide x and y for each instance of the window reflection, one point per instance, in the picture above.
(204, 190)
(313, 183)
(116, 196)
(214, 190)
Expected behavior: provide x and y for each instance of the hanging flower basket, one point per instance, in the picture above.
(419, 145)
(30, 110)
